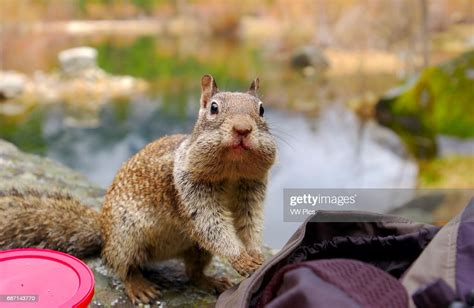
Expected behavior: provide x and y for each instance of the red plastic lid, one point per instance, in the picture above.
(44, 278)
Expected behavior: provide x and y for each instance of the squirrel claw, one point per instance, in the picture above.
(140, 290)
(213, 284)
(145, 296)
(258, 257)
(244, 264)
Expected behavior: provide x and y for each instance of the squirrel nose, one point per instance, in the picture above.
(242, 129)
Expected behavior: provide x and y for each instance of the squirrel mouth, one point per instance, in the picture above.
(240, 146)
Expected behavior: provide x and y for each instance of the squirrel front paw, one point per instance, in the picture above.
(212, 284)
(140, 290)
(257, 256)
(245, 264)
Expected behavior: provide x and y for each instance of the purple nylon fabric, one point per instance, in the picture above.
(303, 289)
(465, 252)
(434, 295)
(365, 285)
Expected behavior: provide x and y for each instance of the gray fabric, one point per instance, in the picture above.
(449, 257)
(465, 252)
(437, 261)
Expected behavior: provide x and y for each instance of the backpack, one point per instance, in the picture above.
(361, 259)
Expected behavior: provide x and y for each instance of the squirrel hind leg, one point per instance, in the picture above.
(196, 261)
(139, 289)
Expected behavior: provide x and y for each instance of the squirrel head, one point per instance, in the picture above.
(231, 134)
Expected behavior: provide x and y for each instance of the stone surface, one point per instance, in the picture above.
(21, 170)
(435, 206)
(12, 84)
(75, 60)
(309, 56)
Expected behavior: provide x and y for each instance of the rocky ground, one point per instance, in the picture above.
(27, 171)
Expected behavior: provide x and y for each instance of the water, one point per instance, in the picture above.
(330, 148)
(333, 151)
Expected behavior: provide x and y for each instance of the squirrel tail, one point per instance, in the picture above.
(54, 221)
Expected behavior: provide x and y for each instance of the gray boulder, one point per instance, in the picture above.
(309, 56)
(12, 84)
(76, 60)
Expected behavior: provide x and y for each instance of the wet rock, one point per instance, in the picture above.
(170, 278)
(433, 206)
(449, 146)
(309, 59)
(439, 101)
(12, 84)
(25, 171)
(76, 60)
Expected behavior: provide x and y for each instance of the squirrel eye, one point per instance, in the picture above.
(261, 110)
(214, 108)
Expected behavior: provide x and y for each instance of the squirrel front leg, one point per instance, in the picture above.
(248, 215)
(212, 228)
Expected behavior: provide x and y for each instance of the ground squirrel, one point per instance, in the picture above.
(182, 196)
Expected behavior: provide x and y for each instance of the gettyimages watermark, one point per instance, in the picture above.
(320, 199)
(300, 204)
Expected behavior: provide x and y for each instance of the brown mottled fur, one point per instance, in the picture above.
(26, 219)
(186, 196)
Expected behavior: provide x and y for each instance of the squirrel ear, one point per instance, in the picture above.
(254, 87)
(208, 89)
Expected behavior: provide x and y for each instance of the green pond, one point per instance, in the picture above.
(323, 145)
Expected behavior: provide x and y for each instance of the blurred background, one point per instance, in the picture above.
(359, 93)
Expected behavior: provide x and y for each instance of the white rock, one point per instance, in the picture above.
(76, 60)
(12, 83)
(6, 147)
